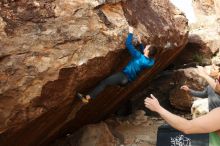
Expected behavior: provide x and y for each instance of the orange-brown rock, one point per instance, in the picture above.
(179, 98)
(50, 49)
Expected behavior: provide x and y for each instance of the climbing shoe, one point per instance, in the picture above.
(82, 97)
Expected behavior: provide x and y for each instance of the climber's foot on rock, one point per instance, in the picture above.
(82, 98)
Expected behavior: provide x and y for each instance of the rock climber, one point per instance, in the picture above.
(140, 60)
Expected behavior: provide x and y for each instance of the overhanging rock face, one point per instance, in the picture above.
(49, 49)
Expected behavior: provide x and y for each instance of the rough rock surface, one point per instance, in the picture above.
(179, 98)
(135, 130)
(205, 32)
(168, 83)
(49, 49)
(203, 35)
(90, 135)
(202, 49)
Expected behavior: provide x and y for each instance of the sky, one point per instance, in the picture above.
(187, 8)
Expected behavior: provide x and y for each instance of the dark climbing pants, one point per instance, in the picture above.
(116, 79)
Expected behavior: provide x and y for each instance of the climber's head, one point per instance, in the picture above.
(150, 51)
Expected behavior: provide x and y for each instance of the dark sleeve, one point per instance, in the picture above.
(134, 53)
(142, 48)
(202, 94)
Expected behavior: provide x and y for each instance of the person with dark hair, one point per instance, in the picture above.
(140, 60)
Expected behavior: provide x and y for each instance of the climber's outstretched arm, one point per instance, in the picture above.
(133, 51)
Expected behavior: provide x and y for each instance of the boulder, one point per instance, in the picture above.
(51, 49)
(205, 32)
(204, 35)
(97, 135)
(90, 135)
(179, 98)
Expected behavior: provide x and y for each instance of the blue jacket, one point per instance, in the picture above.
(138, 61)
